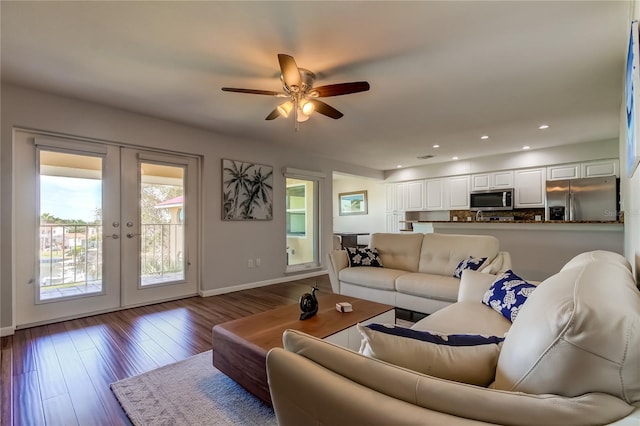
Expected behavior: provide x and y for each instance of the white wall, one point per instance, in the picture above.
(374, 220)
(226, 245)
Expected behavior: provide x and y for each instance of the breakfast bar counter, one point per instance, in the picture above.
(540, 249)
(527, 225)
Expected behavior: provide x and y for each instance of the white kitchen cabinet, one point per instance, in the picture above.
(434, 190)
(480, 181)
(502, 179)
(392, 220)
(390, 190)
(414, 199)
(563, 171)
(401, 196)
(529, 185)
(494, 180)
(457, 191)
(609, 167)
(407, 196)
(447, 193)
(392, 217)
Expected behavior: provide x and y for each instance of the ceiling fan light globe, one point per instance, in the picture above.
(301, 118)
(285, 109)
(307, 108)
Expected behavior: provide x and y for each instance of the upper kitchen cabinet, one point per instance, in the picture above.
(390, 189)
(414, 199)
(609, 167)
(434, 194)
(405, 196)
(563, 171)
(457, 189)
(401, 196)
(529, 185)
(494, 180)
(450, 193)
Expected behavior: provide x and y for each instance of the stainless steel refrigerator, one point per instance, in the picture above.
(587, 199)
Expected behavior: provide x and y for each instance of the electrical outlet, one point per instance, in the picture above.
(250, 263)
(258, 262)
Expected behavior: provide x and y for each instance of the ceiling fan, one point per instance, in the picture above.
(297, 84)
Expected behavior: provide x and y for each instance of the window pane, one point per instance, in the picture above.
(70, 240)
(161, 224)
(296, 223)
(301, 205)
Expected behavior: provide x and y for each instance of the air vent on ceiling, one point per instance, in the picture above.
(425, 157)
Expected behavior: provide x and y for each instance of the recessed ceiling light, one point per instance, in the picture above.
(484, 137)
(454, 158)
(399, 166)
(526, 147)
(436, 146)
(543, 126)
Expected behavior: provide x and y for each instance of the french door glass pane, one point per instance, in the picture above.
(162, 213)
(70, 239)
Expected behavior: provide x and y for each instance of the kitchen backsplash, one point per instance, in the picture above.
(516, 214)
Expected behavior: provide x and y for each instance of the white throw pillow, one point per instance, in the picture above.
(462, 358)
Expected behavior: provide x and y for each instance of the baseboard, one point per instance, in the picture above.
(7, 331)
(246, 286)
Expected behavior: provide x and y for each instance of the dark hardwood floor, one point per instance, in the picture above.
(59, 374)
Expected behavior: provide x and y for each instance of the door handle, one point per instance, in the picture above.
(114, 236)
(131, 235)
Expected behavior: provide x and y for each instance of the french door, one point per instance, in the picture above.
(114, 227)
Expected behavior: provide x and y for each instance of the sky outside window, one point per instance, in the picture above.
(70, 198)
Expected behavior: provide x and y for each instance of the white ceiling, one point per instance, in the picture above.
(440, 72)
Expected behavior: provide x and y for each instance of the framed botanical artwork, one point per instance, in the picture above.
(351, 203)
(247, 191)
(632, 90)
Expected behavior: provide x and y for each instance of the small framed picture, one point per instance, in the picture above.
(351, 203)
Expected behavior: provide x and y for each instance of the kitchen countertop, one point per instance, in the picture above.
(530, 225)
(517, 221)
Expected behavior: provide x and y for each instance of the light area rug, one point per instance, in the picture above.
(189, 392)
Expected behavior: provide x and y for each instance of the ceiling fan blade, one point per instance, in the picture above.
(254, 91)
(340, 89)
(325, 109)
(290, 72)
(273, 115)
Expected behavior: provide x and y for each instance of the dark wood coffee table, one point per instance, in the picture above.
(240, 346)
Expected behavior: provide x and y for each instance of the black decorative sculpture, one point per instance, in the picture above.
(309, 304)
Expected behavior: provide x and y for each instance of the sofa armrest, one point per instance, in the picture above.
(305, 393)
(430, 393)
(337, 260)
(473, 285)
(499, 264)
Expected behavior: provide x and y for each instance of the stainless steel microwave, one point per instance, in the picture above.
(492, 200)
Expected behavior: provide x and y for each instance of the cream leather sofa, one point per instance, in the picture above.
(571, 357)
(417, 272)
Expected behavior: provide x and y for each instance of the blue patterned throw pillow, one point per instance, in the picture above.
(507, 294)
(473, 263)
(364, 257)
